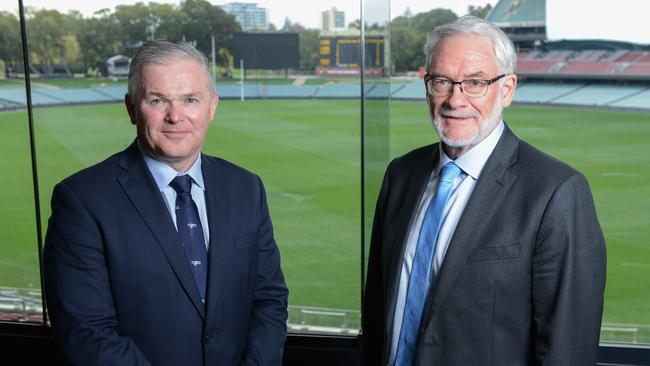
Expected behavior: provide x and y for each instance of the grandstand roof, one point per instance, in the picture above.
(519, 13)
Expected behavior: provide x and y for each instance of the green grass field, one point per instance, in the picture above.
(307, 153)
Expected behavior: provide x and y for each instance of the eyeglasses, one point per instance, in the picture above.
(443, 87)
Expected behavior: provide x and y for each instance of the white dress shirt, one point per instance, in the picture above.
(163, 174)
(471, 163)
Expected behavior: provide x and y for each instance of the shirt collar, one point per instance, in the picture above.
(163, 174)
(473, 161)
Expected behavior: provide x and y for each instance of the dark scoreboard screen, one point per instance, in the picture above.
(270, 51)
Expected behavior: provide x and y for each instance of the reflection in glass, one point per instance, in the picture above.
(20, 294)
(608, 144)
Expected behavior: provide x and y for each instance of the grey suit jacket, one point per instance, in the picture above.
(523, 279)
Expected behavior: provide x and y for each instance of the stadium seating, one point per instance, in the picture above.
(17, 96)
(586, 67)
(640, 100)
(534, 66)
(543, 92)
(115, 93)
(598, 95)
(413, 90)
(339, 90)
(641, 69)
(74, 96)
(233, 91)
(289, 91)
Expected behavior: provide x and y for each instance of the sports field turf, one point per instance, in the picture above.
(307, 153)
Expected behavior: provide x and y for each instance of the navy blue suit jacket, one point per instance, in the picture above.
(120, 290)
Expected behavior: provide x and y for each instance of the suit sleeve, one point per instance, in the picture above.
(568, 278)
(373, 319)
(268, 328)
(77, 287)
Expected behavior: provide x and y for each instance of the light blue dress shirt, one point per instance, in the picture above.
(163, 174)
(472, 163)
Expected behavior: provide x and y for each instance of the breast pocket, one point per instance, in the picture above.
(492, 253)
(245, 241)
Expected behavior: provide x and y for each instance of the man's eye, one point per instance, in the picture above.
(155, 101)
(441, 82)
(474, 83)
(192, 100)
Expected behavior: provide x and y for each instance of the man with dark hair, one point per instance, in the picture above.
(484, 251)
(161, 255)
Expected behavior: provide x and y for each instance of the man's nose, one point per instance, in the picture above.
(456, 97)
(173, 112)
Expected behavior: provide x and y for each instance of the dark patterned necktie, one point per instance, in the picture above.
(190, 231)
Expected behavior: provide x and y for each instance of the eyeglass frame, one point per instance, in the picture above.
(429, 77)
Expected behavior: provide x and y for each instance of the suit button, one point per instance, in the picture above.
(209, 338)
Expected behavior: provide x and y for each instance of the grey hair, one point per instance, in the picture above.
(503, 47)
(161, 52)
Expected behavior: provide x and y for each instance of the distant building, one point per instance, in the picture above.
(118, 66)
(332, 21)
(248, 15)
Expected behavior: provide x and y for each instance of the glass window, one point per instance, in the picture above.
(583, 102)
(20, 295)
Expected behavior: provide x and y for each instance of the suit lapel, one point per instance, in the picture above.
(140, 187)
(217, 200)
(490, 190)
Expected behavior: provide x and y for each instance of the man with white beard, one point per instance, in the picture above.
(484, 251)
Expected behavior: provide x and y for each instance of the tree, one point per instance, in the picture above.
(408, 35)
(426, 22)
(204, 20)
(479, 11)
(406, 48)
(51, 38)
(10, 44)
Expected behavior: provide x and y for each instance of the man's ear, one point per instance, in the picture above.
(130, 108)
(509, 89)
(213, 105)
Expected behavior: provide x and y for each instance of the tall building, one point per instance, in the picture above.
(248, 15)
(332, 21)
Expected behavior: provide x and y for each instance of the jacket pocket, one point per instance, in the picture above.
(495, 253)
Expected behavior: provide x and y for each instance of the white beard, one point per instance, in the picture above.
(486, 125)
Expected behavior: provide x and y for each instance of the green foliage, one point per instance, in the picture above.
(10, 44)
(82, 43)
(409, 33)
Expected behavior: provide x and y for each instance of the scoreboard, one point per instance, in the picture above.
(344, 52)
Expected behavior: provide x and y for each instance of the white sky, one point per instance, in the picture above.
(575, 19)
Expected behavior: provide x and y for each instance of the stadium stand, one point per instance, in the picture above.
(586, 67)
(289, 91)
(17, 96)
(75, 96)
(641, 69)
(518, 11)
(629, 57)
(339, 90)
(414, 90)
(115, 93)
(639, 101)
(598, 95)
(543, 92)
(233, 91)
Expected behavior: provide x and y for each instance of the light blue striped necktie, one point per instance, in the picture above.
(419, 280)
